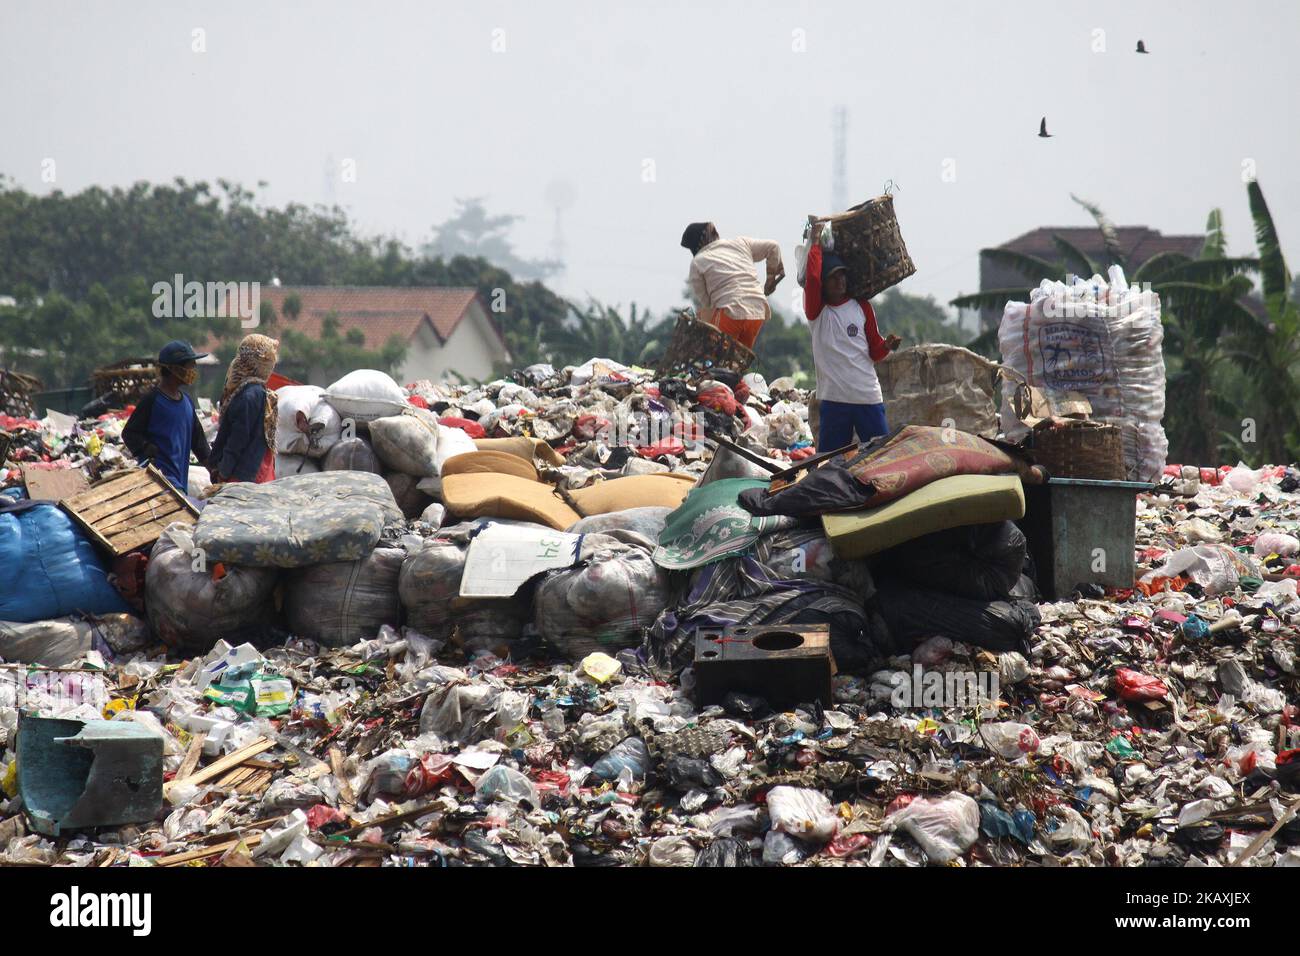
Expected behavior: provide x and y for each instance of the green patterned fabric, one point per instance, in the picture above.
(710, 525)
(296, 521)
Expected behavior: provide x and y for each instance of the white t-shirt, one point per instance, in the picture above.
(845, 371)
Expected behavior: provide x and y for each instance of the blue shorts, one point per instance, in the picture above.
(839, 420)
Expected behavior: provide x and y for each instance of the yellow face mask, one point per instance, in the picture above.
(186, 376)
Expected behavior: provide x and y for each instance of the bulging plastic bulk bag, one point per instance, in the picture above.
(365, 395)
(198, 481)
(941, 385)
(352, 454)
(1103, 340)
(62, 641)
(407, 443)
(913, 614)
(429, 588)
(452, 442)
(286, 465)
(980, 561)
(48, 567)
(648, 522)
(190, 610)
(406, 492)
(345, 602)
(604, 603)
(307, 424)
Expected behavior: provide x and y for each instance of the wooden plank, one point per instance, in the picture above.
(260, 780)
(155, 504)
(128, 503)
(49, 484)
(89, 529)
(177, 859)
(176, 493)
(191, 759)
(214, 770)
(236, 777)
(146, 534)
(155, 509)
(110, 488)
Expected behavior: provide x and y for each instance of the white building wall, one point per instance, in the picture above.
(471, 351)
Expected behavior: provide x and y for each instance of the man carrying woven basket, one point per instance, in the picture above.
(726, 290)
(846, 347)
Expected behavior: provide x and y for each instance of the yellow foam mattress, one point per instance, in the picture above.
(946, 503)
(484, 495)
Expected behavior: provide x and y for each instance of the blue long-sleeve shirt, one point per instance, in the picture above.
(165, 430)
(240, 444)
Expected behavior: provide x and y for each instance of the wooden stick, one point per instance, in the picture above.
(225, 763)
(191, 756)
(177, 859)
(1267, 835)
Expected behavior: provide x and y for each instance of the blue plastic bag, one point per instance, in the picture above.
(48, 567)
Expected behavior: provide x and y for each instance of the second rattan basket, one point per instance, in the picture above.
(698, 347)
(1080, 449)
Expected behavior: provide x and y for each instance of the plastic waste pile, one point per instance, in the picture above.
(438, 688)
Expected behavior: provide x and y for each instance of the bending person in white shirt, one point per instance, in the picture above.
(723, 281)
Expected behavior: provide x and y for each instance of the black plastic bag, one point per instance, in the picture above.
(981, 561)
(726, 852)
(914, 614)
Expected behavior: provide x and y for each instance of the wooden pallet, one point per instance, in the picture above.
(129, 510)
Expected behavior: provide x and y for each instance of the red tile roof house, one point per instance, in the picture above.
(445, 329)
(1139, 243)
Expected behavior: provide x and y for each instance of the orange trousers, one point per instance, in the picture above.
(744, 331)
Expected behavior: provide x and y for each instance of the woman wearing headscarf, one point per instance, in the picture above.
(244, 449)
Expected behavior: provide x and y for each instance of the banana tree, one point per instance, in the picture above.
(1267, 348)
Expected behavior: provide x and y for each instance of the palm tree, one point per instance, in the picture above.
(599, 330)
(1267, 348)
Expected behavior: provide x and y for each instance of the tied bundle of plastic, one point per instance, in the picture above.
(1102, 340)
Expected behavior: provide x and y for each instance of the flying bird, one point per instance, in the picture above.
(1142, 47)
(1042, 129)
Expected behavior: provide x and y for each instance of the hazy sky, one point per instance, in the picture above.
(724, 107)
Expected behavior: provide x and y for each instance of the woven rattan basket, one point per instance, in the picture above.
(1079, 449)
(697, 348)
(868, 240)
(127, 381)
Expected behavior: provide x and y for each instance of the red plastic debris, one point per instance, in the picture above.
(321, 814)
(665, 446)
(432, 770)
(719, 398)
(1134, 685)
(470, 428)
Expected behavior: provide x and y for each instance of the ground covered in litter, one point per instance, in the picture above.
(1152, 726)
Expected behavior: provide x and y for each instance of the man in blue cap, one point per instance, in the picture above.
(846, 347)
(165, 428)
